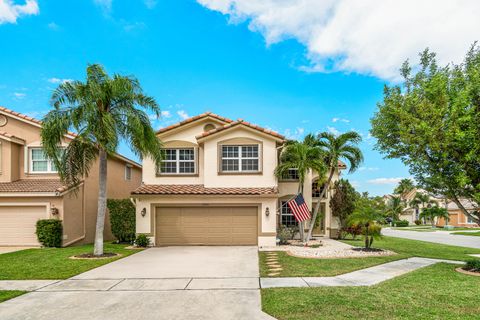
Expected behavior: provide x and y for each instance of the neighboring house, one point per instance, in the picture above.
(217, 186)
(457, 217)
(411, 213)
(30, 188)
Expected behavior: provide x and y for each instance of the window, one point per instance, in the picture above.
(178, 161)
(316, 190)
(39, 162)
(286, 216)
(291, 174)
(128, 172)
(470, 220)
(240, 158)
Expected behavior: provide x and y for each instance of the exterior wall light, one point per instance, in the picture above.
(53, 211)
(143, 212)
(267, 211)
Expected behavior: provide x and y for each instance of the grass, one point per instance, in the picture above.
(475, 234)
(435, 292)
(6, 295)
(53, 263)
(297, 267)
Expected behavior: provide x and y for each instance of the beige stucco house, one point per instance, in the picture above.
(217, 186)
(30, 188)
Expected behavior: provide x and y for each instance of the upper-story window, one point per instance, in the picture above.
(317, 189)
(178, 161)
(291, 174)
(244, 158)
(128, 172)
(39, 163)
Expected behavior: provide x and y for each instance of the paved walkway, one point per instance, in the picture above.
(365, 277)
(441, 237)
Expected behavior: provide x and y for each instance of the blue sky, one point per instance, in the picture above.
(202, 56)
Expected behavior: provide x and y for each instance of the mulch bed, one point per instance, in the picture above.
(367, 250)
(470, 273)
(105, 255)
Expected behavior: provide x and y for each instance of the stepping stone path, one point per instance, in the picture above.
(273, 265)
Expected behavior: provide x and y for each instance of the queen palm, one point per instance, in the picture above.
(395, 207)
(303, 156)
(420, 199)
(103, 111)
(336, 148)
(404, 187)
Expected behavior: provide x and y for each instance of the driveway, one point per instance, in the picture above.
(12, 249)
(441, 237)
(158, 283)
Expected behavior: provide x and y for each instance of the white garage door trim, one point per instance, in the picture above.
(27, 204)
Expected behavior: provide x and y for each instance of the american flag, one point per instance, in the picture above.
(299, 208)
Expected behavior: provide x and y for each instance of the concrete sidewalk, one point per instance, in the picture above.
(365, 277)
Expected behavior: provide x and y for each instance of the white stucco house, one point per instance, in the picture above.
(217, 186)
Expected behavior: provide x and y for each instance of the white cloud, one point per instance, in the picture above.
(182, 114)
(133, 26)
(166, 114)
(106, 5)
(340, 120)
(53, 26)
(333, 130)
(10, 12)
(385, 180)
(19, 95)
(368, 37)
(150, 4)
(294, 134)
(368, 169)
(58, 80)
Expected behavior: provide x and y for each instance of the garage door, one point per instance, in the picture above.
(206, 226)
(17, 225)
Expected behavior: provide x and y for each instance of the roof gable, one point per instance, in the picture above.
(194, 119)
(240, 123)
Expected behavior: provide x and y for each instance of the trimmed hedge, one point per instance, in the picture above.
(142, 241)
(401, 223)
(49, 232)
(122, 219)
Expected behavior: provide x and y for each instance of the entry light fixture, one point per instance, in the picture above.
(53, 210)
(267, 211)
(143, 212)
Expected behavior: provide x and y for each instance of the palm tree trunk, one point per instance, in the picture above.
(317, 206)
(102, 203)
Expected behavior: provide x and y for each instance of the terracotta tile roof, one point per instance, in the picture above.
(33, 185)
(191, 189)
(9, 136)
(189, 120)
(341, 165)
(240, 122)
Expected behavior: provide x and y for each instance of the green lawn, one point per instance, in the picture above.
(53, 263)
(435, 292)
(475, 234)
(296, 267)
(5, 295)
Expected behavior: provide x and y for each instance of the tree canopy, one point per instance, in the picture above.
(431, 122)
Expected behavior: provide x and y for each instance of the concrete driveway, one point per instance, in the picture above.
(441, 237)
(13, 249)
(158, 283)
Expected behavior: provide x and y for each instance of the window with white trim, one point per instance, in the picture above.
(291, 174)
(470, 220)
(128, 172)
(39, 163)
(287, 218)
(244, 158)
(178, 161)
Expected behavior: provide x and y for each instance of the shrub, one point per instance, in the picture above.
(353, 230)
(49, 232)
(401, 223)
(418, 222)
(122, 219)
(142, 241)
(286, 233)
(472, 265)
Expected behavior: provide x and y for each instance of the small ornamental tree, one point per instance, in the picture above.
(342, 203)
(433, 213)
(122, 219)
(367, 218)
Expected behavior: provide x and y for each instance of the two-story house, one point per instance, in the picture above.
(217, 186)
(30, 188)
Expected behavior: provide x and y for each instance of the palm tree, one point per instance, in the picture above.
(404, 187)
(434, 212)
(395, 207)
(420, 199)
(366, 218)
(102, 111)
(304, 157)
(343, 146)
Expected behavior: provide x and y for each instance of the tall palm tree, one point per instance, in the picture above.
(336, 148)
(404, 187)
(102, 111)
(303, 156)
(420, 200)
(395, 207)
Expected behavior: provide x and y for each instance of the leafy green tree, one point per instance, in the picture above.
(102, 111)
(395, 207)
(342, 203)
(430, 122)
(433, 213)
(367, 218)
(336, 148)
(305, 157)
